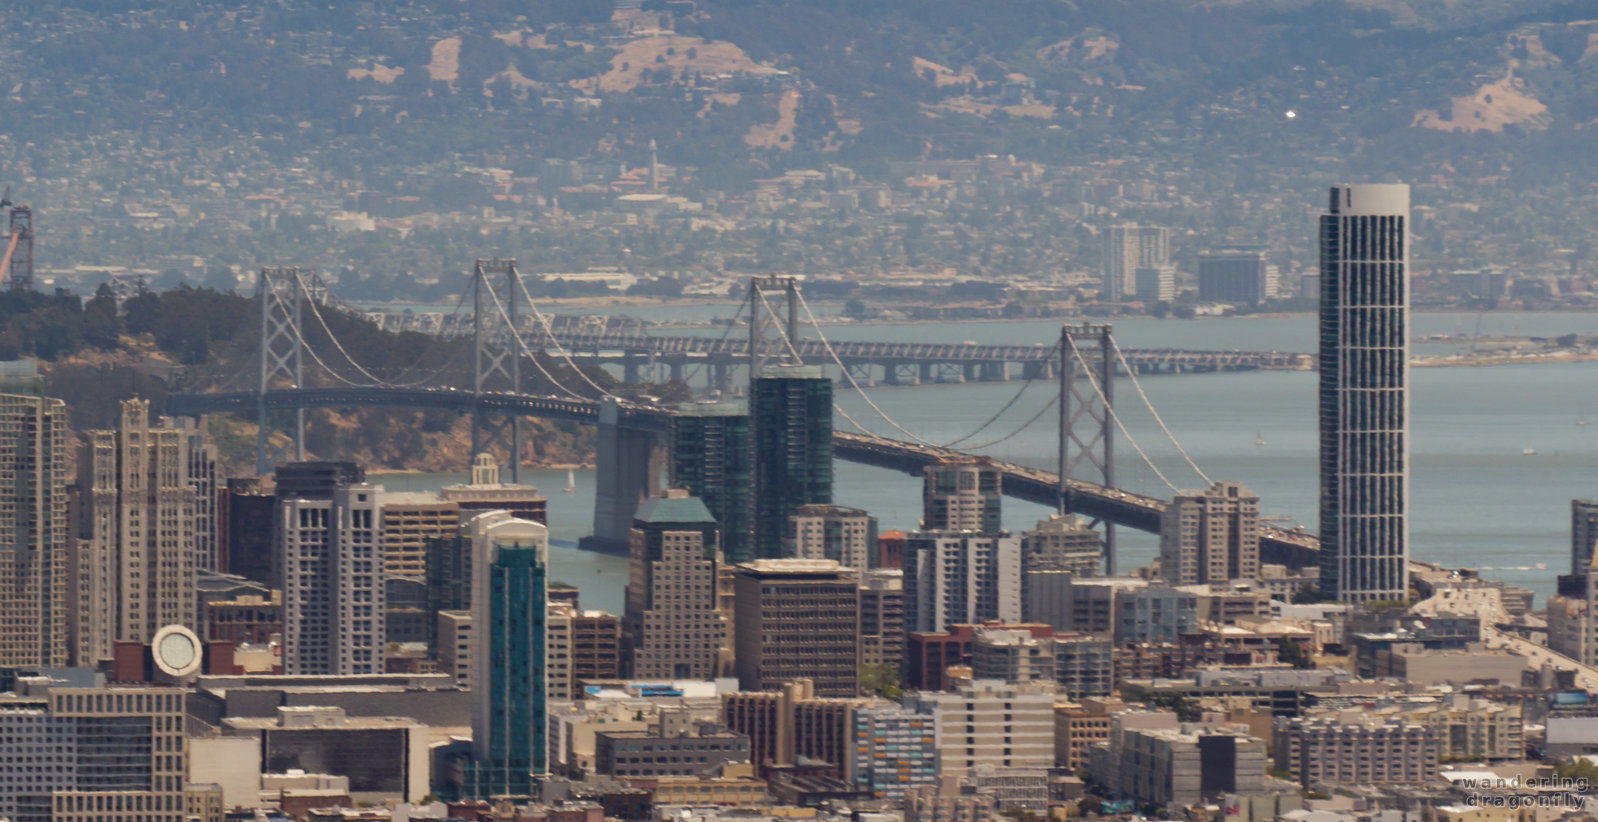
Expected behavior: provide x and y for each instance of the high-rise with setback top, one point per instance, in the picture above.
(1364, 400)
(33, 530)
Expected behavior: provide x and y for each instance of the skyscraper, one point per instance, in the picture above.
(33, 531)
(674, 627)
(1364, 401)
(510, 585)
(791, 425)
(961, 494)
(711, 457)
(1128, 248)
(1241, 275)
(134, 568)
(334, 601)
(1211, 536)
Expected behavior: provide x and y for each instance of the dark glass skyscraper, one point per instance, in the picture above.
(712, 458)
(509, 711)
(1364, 401)
(791, 422)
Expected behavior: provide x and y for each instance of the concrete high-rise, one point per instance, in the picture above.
(847, 535)
(410, 521)
(331, 574)
(711, 456)
(674, 626)
(1063, 542)
(1211, 536)
(33, 531)
(791, 427)
(1364, 399)
(882, 617)
(1128, 248)
(135, 563)
(960, 578)
(510, 582)
(797, 619)
(961, 494)
(1583, 534)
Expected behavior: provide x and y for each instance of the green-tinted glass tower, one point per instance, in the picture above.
(509, 712)
(791, 424)
(712, 458)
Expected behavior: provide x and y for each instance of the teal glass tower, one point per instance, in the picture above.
(712, 458)
(509, 699)
(791, 423)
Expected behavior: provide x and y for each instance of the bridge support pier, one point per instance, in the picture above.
(949, 372)
(629, 463)
(721, 376)
(861, 371)
(674, 370)
(630, 369)
(994, 372)
(1038, 371)
(900, 373)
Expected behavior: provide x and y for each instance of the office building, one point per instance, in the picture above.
(1583, 534)
(929, 656)
(893, 749)
(1364, 400)
(1238, 276)
(791, 426)
(1128, 248)
(790, 725)
(674, 627)
(454, 646)
(596, 647)
(961, 577)
(201, 473)
(244, 516)
(1357, 748)
(1063, 542)
(961, 494)
(509, 693)
(558, 650)
(409, 521)
(134, 564)
(797, 619)
(992, 723)
(486, 493)
(1153, 759)
(1155, 284)
(882, 617)
(712, 457)
(675, 745)
(92, 754)
(246, 619)
(1012, 655)
(938, 803)
(1211, 537)
(890, 550)
(33, 528)
(334, 599)
(448, 578)
(847, 536)
(1080, 725)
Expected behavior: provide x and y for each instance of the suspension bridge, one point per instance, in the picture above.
(1085, 363)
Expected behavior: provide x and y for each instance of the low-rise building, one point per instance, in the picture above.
(1357, 748)
(673, 746)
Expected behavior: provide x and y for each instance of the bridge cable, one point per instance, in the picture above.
(316, 312)
(382, 382)
(1108, 407)
(848, 376)
(1053, 401)
(517, 335)
(835, 406)
(994, 418)
(1135, 384)
(550, 333)
(725, 332)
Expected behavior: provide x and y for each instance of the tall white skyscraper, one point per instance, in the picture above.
(133, 568)
(332, 580)
(1128, 248)
(1364, 399)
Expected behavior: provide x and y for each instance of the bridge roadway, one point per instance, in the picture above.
(972, 354)
(1293, 548)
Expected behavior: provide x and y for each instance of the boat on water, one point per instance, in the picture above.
(1581, 420)
(1529, 451)
(571, 481)
(1259, 440)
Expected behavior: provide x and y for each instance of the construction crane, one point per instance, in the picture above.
(16, 267)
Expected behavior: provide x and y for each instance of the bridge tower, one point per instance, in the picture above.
(767, 326)
(279, 291)
(21, 234)
(1087, 427)
(496, 287)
